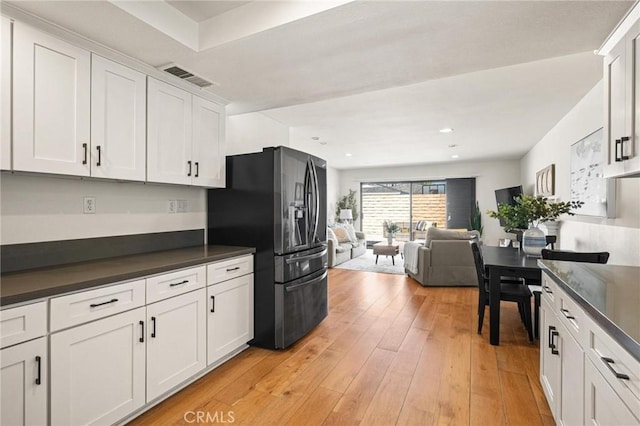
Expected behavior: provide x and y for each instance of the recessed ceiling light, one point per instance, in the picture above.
(453, 145)
(455, 156)
(323, 142)
(315, 138)
(348, 154)
(446, 130)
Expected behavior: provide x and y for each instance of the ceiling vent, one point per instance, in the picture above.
(183, 74)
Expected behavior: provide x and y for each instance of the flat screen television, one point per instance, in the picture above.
(506, 196)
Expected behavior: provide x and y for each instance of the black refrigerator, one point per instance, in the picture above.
(276, 201)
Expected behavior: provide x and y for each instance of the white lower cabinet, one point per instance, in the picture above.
(230, 316)
(549, 360)
(110, 354)
(602, 405)
(561, 368)
(176, 344)
(575, 388)
(23, 383)
(98, 370)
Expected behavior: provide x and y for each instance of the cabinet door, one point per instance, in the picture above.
(51, 101)
(118, 121)
(632, 148)
(169, 134)
(176, 341)
(570, 404)
(549, 360)
(208, 143)
(5, 93)
(230, 317)
(23, 384)
(98, 370)
(616, 105)
(602, 405)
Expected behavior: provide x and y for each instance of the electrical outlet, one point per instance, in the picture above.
(183, 206)
(172, 208)
(89, 205)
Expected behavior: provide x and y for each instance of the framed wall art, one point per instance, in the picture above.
(546, 181)
(587, 177)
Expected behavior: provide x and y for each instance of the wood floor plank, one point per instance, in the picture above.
(353, 404)
(519, 402)
(347, 369)
(389, 352)
(455, 383)
(486, 406)
(316, 408)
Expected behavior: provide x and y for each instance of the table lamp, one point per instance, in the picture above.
(346, 215)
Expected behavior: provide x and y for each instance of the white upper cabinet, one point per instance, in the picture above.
(77, 113)
(622, 108)
(185, 142)
(5, 93)
(118, 120)
(51, 104)
(208, 143)
(169, 138)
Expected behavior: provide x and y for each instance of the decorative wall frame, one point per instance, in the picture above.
(546, 181)
(588, 183)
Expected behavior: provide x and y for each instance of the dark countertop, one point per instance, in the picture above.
(17, 287)
(610, 294)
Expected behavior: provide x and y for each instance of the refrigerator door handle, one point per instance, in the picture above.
(316, 201)
(307, 257)
(306, 283)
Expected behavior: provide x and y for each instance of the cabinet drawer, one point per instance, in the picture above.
(228, 269)
(23, 323)
(78, 308)
(572, 316)
(549, 289)
(610, 358)
(174, 283)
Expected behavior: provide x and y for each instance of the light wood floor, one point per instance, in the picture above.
(390, 352)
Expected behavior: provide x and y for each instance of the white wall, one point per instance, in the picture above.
(490, 175)
(620, 235)
(43, 208)
(333, 192)
(251, 132)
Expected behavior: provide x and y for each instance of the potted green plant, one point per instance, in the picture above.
(348, 202)
(527, 213)
(475, 222)
(390, 228)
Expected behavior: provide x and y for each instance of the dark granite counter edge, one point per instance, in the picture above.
(114, 279)
(622, 338)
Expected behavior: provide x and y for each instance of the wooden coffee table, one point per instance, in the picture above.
(383, 248)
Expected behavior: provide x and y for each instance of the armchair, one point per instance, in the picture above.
(446, 259)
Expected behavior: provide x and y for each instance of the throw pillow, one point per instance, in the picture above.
(351, 231)
(341, 234)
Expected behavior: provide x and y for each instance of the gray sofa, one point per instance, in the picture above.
(446, 259)
(341, 252)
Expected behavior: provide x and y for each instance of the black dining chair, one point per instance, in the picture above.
(510, 291)
(571, 256)
(576, 256)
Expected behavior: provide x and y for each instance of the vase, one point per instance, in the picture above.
(390, 239)
(533, 241)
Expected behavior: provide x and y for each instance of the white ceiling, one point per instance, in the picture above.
(379, 78)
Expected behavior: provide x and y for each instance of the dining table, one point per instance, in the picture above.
(505, 262)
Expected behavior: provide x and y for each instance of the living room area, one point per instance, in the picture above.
(619, 235)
